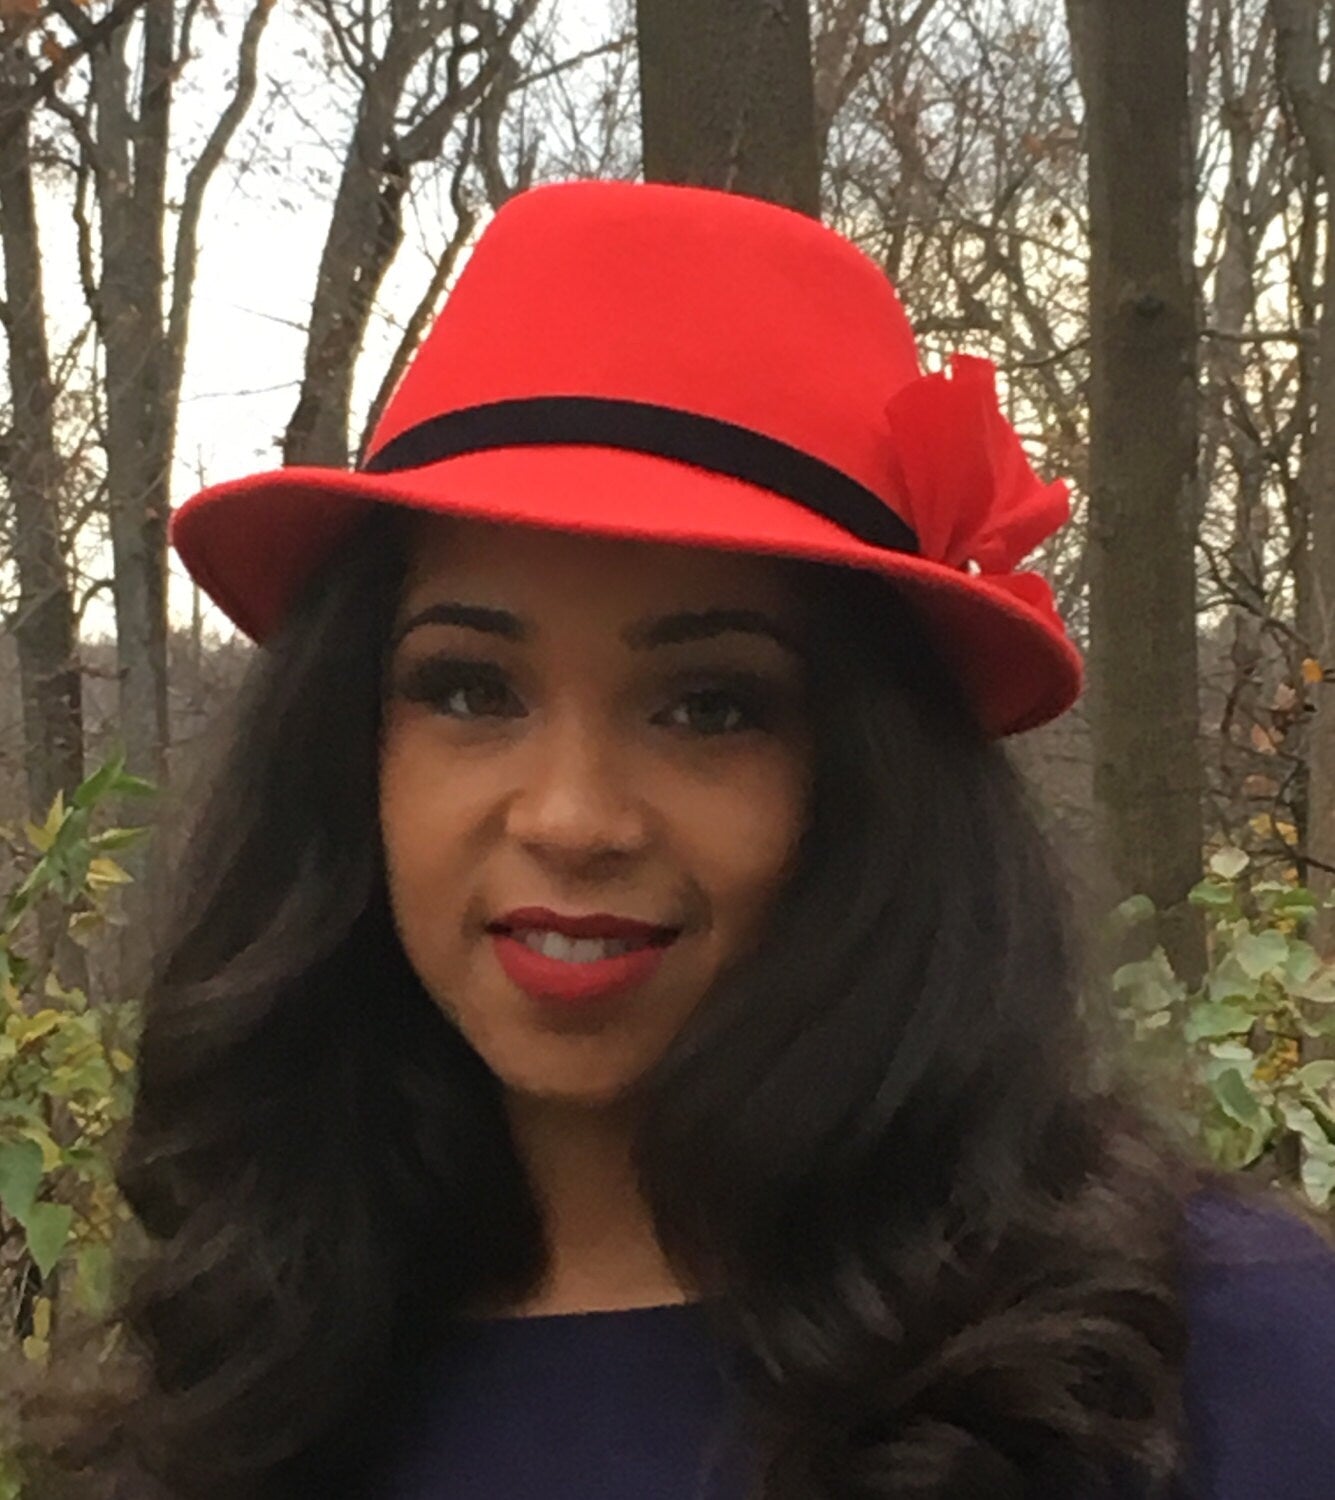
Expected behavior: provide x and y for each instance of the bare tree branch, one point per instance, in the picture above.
(192, 199)
(88, 35)
(465, 222)
(617, 44)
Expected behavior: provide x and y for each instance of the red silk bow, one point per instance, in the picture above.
(963, 479)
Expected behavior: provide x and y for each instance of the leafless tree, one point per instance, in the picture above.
(1132, 58)
(1303, 51)
(44, 622)
(727, 97)
(140, 300)
(418, 70)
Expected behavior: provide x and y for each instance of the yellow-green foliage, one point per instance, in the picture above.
(66, 1069)
(1237, 1046)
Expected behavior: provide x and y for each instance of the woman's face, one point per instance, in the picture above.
(586, 727)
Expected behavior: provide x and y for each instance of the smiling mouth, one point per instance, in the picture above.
(587, 937)
(581, 950)
(565, 969)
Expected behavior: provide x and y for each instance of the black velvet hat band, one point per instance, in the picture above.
(666, 432)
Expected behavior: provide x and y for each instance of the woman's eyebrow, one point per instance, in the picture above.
(471, 616)
(661, 630)
(702, 625)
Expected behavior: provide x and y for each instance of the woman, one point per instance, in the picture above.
(619, 1037)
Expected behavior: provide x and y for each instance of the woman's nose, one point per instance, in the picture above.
(576, 795)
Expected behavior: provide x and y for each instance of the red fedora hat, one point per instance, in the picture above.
(694, 367)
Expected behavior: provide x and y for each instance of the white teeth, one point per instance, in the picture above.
(573, 950)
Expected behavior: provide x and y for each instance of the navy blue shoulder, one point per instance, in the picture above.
(1260, 1304)
(1230, 1231)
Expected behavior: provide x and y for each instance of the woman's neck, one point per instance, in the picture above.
(604, 1254)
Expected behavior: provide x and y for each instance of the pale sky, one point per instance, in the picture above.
(261, 235)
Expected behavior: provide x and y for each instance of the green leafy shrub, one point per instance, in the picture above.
(66, 1069)
(1236, 1048)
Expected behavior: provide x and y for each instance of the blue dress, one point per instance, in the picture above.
(630, 1404)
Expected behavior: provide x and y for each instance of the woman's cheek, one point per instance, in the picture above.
(749, 838)
(418, 826)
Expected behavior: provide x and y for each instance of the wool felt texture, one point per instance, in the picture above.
(714, 306)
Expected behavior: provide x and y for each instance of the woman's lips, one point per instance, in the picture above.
(584, 925)
(568, 981)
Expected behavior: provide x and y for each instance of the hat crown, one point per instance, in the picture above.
(683, 365)
(688, 298)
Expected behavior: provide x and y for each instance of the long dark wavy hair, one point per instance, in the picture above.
(950, 1260)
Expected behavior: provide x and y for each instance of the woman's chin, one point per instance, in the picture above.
(579, 1088)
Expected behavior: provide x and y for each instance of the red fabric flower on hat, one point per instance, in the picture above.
(964, 482)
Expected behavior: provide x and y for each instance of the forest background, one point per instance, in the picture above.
(225, 225)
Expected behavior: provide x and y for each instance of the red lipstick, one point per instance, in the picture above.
(590, 925)
(568, 980)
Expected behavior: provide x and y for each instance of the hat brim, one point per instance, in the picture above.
(251, 542)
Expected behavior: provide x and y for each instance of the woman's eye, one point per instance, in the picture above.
(461, 690)
(713, 711)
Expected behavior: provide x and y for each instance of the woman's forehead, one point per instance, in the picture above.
(517, 564)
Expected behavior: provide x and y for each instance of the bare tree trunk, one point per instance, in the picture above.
(365, 231)
(142, 319)
(465, 221)
(130, 164)
(1303, 65)
(727, 97)
(1132, 59)
(45, 628)
(1233, 457)
(841, 57)
(391, 136)
(1303, 233)
(1306, 275)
